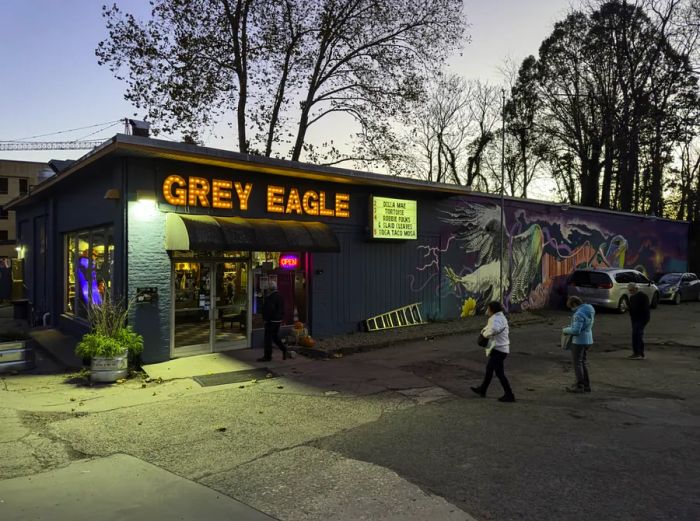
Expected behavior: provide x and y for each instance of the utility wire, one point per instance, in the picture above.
(99, 130)
(62, 131)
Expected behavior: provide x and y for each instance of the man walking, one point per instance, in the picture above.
(640, 314)
(272, 312)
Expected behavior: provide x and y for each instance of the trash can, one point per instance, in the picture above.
(20, 309)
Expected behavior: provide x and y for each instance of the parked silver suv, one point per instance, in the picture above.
(608, 287)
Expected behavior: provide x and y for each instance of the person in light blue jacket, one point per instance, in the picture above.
(581, 329)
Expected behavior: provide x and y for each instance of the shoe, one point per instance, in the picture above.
(574, 389)
(263, 359)
(586, 389)
(635, 357)
(478, 391)
(507, 399)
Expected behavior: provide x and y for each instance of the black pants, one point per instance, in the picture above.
(638, 337)
(579, 358)
(495, 365)
(272, 334)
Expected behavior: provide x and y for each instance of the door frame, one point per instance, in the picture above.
(210, 347)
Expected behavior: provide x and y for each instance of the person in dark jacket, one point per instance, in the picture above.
(640, 313)
(272, 312)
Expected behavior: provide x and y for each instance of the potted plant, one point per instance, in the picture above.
(110, 344)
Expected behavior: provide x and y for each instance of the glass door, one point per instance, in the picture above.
(192, 328)
(231, 317)
(210, 305)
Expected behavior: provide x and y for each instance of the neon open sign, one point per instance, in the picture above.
(289, 262)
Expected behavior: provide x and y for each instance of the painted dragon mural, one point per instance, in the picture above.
(541, 246)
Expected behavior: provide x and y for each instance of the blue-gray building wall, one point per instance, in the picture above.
(149, 267)
(77, 204)
(543, 243)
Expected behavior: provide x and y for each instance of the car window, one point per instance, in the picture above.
(671, 278)
(640, 279)
(589, 279)
(599, 279)
(624, 277)
(580, 278)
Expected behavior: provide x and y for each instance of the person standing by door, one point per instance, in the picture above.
(273, 311)
(640, 314)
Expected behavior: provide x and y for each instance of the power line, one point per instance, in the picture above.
(62, 131)
(99, 130)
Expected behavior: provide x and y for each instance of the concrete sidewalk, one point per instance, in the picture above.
(115, 488)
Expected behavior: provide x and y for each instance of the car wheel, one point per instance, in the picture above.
(677, 298)
(655, 301)
(623, 305)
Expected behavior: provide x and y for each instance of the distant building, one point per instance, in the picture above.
(16, 178)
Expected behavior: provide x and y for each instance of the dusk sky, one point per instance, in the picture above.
(51, 81)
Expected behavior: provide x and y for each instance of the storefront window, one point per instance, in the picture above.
(89, 267)
(287, 270)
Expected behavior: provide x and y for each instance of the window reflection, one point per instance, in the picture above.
(89, 266)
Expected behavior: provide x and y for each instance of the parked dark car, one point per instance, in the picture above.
(676, 287)
(607, 287)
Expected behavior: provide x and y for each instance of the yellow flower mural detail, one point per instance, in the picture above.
(469, 308)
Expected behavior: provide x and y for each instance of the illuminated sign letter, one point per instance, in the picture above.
(179, 196)
(342, 205)
(243, 193)
(294, 203)
(289, 262)
(199, 189)
(275, 199)
(221, 193)
(310, 202)
(322, 204)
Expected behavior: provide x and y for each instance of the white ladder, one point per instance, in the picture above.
(400, 317)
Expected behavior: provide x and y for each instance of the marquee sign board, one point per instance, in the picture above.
(394, 218)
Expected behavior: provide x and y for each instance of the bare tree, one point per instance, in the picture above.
(280, 65)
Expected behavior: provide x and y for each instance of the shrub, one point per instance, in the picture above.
(109, 335)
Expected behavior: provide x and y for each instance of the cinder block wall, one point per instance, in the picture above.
(149, 267)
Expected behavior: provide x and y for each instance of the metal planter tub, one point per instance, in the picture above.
(108, 370)
(17, 355)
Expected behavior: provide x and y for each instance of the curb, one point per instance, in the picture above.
(361, 347)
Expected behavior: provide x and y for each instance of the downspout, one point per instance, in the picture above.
(125, 230)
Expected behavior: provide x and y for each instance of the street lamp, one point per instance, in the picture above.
(503, 168)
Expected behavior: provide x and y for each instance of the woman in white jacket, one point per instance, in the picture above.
(496, 331)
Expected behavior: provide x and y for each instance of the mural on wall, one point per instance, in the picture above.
(542, 245)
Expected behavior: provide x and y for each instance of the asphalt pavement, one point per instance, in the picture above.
(397, 434)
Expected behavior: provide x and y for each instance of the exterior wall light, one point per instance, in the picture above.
(145, 207)
(113, 194)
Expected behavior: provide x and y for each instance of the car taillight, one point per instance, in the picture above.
(605, 285)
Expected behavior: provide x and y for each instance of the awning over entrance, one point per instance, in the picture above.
(204, 233)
